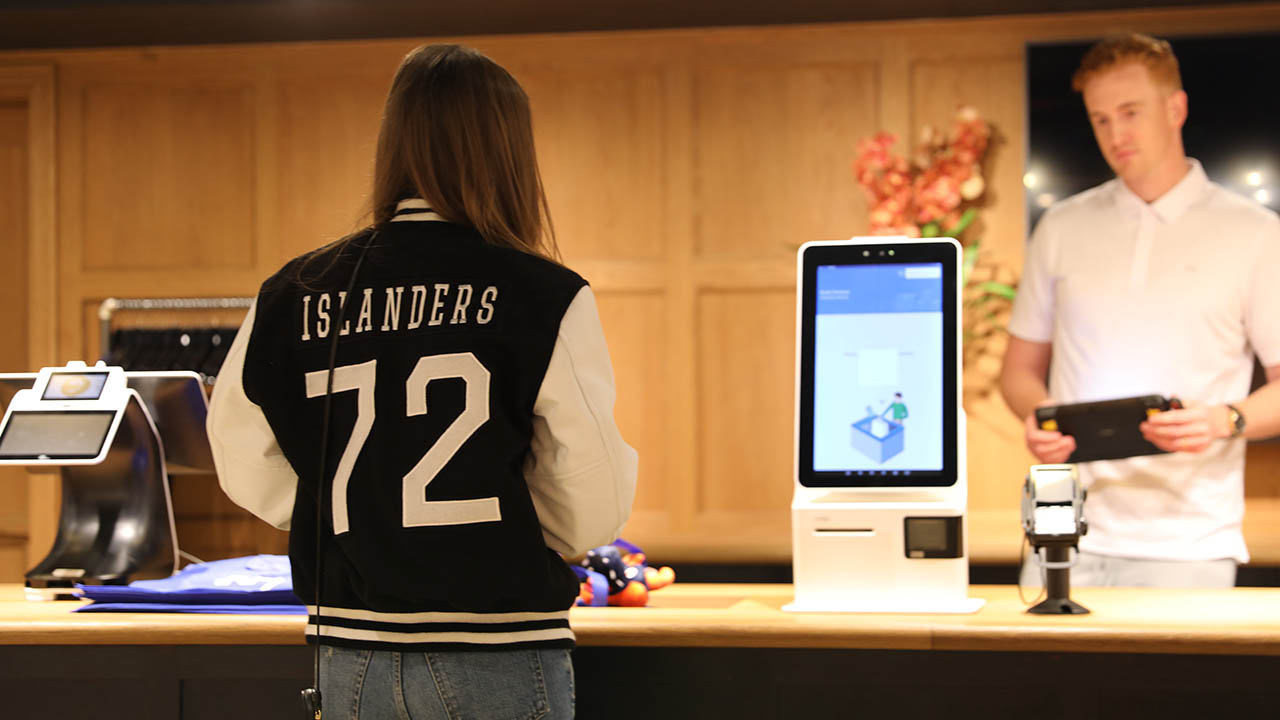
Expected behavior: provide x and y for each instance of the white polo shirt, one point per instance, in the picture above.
(1172, 298)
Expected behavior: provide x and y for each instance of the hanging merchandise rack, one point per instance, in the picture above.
(177, 347)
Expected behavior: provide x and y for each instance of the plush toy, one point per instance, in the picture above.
(618, 574)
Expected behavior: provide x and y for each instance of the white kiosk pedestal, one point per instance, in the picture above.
(863, 551)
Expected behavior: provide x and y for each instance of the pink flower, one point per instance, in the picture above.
(943, 174)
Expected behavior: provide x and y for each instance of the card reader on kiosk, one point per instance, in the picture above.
(877, 518)
(100, 428)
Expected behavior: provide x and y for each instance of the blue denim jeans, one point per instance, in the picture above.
(488, 684)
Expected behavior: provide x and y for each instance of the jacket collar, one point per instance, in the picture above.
(415, 209)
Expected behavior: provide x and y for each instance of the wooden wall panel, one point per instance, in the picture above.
(746, 399)
(633, 328)
(324, 145)
(27, 330)
(13, 232)
(773, 149)
(168, 175)
(599, 134)
(13, 318)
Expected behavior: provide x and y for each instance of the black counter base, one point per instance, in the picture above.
(261, 682)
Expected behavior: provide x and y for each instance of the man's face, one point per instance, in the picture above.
(1137, 123)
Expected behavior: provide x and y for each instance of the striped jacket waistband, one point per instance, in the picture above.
(418, 628)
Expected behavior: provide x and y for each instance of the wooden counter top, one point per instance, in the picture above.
(1241, 621)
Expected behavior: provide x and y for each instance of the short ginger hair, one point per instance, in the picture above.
(1152, 53)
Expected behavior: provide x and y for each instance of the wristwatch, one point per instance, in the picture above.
(1237, 421)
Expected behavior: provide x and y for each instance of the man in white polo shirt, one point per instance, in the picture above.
(1157, 282)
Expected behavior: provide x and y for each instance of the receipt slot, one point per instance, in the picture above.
(878, 511)
(99, 434)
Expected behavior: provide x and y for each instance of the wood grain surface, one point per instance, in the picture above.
(1241, 621)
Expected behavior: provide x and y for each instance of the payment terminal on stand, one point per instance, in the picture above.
(878, 512)
(104, 431)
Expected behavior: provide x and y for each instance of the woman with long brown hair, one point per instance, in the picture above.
(427, 406)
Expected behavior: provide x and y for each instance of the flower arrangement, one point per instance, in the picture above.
(939, 192)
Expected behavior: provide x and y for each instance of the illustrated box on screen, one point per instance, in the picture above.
(877, 438)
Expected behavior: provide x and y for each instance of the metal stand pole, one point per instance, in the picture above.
(1058, 585)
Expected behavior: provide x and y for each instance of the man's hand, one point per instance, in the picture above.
(1049, 446)
(1188, 430)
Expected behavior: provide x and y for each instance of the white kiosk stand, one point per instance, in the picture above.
(100, 429)
(877, 518)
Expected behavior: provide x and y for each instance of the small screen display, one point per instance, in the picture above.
(927, 533)
(54, 435)
(75, 386)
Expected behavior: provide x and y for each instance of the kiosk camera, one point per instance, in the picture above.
(1053, 520)
(101, 429)
(877, 518)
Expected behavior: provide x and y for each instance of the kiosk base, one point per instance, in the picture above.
(873, 557)
(962, 606)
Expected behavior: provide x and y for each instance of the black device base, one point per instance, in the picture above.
(1057, 585)
(1059, 606)
(114, 526)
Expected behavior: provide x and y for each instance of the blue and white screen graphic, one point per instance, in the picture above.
(877, 380)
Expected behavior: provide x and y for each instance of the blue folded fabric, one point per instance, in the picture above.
(245, 585)
(192, 608)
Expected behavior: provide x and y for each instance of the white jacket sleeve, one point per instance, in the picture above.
(252, 469)
(581, 474)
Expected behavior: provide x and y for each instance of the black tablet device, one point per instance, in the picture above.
(1107, 429)
(878, 358)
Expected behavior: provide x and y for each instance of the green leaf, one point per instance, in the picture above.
(963, 223)
(970, 259)
(929, 230)
(1004, 290)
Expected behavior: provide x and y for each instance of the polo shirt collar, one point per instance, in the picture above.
(1176, 201)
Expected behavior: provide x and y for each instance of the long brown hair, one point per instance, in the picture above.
(457, 132)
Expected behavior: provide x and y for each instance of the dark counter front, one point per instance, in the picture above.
(709, 651)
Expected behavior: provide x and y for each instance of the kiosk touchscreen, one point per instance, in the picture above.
(880, 488)
(114, 437)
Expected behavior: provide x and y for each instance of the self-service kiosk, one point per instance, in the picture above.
(878, 513)
(114, 437)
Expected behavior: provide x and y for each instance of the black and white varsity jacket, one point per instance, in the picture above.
(471, 436)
